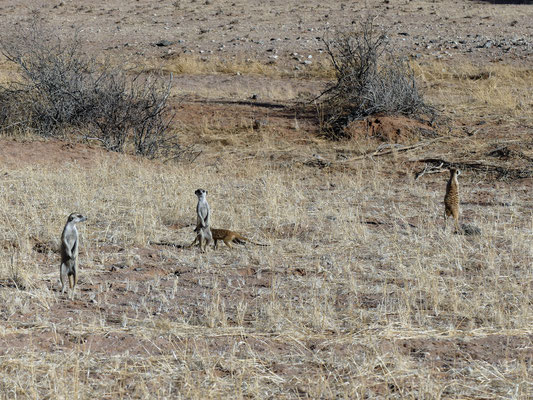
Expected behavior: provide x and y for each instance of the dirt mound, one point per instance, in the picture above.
(395, 129)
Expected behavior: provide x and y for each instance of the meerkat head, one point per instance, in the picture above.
(454, 172)
(201, 193)
(76, 217)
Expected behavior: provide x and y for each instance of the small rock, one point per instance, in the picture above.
(164, 43)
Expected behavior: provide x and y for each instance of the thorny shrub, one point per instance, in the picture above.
(370, 80)
(63, 89)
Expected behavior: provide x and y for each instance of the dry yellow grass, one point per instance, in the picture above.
(326, 314)
(496, 90)
(189, 64)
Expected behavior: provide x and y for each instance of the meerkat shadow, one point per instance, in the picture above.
(169, 244)
(469, 230)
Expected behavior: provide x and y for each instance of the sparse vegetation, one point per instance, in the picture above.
(467, 90)
(62, 88)
(369, 80)
(337, 306)
(192, 64)
(361, 294)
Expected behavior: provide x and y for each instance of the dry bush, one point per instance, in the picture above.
(370, 80)
(63, 88)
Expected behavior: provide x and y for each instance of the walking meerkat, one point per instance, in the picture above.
(69, 253)
(227, 237)
(230, 237)
(451, 199)
(203, 214)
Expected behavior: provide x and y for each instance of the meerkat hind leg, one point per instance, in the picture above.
(196, 240)
(457, 227)
(447, 214)
(63, 275)
(203, 243)
(72, 283)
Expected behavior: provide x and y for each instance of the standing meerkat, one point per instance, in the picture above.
(69, 253)
(203, 214)
(451, 199)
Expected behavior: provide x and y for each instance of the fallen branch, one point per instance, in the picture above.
(394, 149)
(477, 166)
(429, 169)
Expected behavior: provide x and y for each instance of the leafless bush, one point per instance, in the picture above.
(13, 114)
(132, 109)
(369, 80)
(65, 88)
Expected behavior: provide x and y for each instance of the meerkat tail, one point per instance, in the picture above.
(242, 240)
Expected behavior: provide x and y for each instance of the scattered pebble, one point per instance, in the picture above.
(164, 43)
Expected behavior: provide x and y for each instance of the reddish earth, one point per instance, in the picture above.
(391, 129)
(16, 153)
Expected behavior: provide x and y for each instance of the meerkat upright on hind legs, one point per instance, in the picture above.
(69, 253)
(203, 214)
(451, 199)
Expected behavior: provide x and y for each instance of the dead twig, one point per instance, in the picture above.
(428, 169)
(398, 148)
(481, 165)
